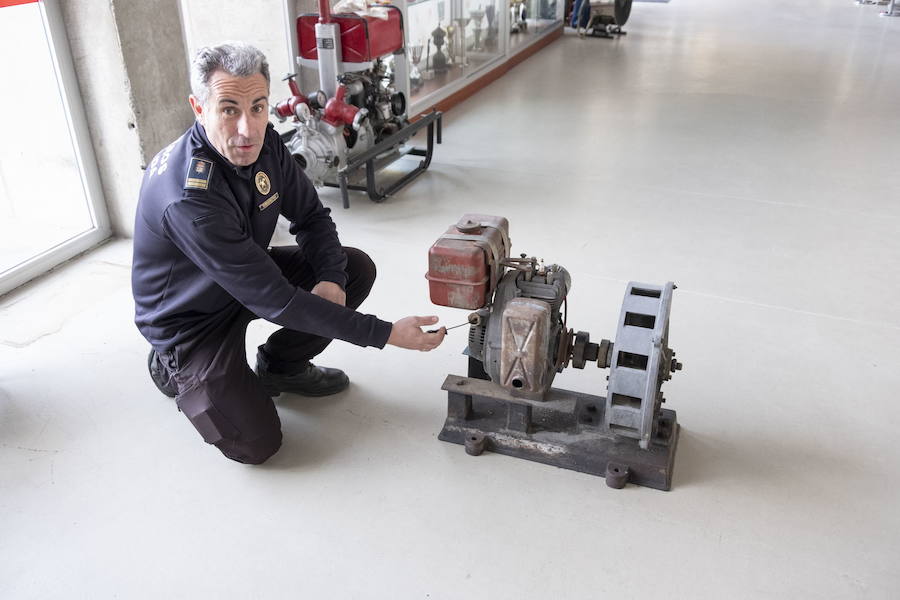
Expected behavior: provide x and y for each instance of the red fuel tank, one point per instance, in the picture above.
(464, 263)
(363, 39)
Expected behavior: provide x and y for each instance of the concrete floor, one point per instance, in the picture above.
(747, 151)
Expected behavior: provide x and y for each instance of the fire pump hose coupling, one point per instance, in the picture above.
(288, 108)
(338, 112)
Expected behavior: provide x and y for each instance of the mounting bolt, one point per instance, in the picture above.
(617, 475)
(475, 443)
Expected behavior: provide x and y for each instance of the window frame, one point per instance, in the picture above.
(64, 70)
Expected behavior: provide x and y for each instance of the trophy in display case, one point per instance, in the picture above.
(415, 76)
(517, 17)
(439, 60)
(451, 44)
(490, 38)
(460, 40)
(477, 16)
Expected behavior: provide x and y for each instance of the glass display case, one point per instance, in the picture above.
(449, 42)
(528, 19)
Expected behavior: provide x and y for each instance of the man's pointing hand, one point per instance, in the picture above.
(407, 333)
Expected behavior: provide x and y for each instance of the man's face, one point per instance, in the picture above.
(235, 115)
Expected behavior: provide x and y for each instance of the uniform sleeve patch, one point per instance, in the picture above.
(198, 174)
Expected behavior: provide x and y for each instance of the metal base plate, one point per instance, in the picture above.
(357, 179)
(383, 153)
(564, 430)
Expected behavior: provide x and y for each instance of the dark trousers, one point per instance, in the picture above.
(218, 391)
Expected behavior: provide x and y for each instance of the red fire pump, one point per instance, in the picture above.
(356, 123)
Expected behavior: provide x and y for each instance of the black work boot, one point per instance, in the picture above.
(160, 375)
(311, 381)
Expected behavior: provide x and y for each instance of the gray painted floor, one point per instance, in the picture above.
(747, 151)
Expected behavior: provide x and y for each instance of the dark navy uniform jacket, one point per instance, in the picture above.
(201, 235)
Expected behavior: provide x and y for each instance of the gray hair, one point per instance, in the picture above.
(235, 58)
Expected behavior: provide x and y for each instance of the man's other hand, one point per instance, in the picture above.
(406, 333)
(330, 291)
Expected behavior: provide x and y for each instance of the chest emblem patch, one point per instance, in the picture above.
(262, 183)
(198, 174)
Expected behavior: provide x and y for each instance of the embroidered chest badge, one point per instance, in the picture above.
(262, 183)
(198, 174)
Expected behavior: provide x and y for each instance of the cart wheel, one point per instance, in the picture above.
(623, 11)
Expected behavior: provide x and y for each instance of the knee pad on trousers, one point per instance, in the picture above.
(254, 452)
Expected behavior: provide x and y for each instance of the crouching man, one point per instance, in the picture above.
(203, 270)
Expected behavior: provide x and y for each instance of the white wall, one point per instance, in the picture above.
(257, 22)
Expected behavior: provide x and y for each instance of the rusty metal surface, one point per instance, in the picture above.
(565, 430)
(564, 349)
(464, 264)
(524, 345)
(475, 444)
(617, 475)
(579, 348)
(549, 285)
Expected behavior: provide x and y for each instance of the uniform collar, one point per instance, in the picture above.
(199, 133)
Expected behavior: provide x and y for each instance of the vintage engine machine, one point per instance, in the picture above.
(356, 124)
(519, 341)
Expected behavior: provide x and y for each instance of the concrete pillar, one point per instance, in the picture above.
(131, 66)
(156, 62)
